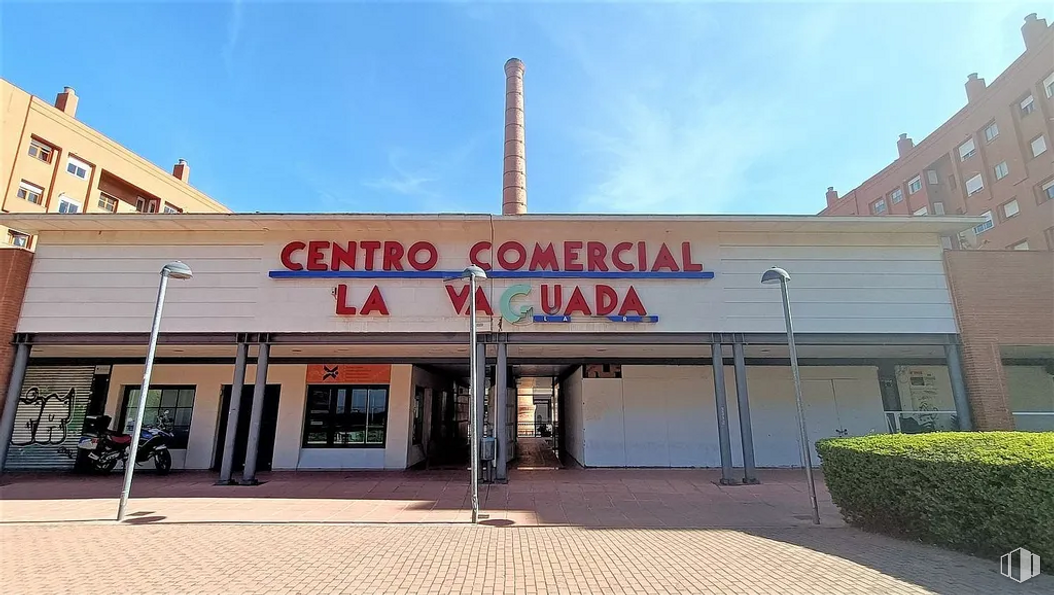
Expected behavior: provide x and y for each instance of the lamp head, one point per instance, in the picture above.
(177, 270)
(774, 275)
(473, 271)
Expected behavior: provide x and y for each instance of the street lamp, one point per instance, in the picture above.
(472, 273)
(175, 270)
(778, 275)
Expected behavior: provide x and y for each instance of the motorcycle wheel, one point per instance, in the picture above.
(106, 467)
(163, 461)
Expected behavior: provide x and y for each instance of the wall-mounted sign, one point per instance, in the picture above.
(549, 262)
(349, 373)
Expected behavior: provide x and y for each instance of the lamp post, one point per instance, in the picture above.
(175, 270)
(778, 275)
(472, 273)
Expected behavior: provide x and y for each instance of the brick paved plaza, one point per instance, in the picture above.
(558, 532)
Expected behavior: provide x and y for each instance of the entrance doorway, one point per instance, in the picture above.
(537, 422)
(268, 427)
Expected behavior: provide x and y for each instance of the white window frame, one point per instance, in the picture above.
(1047, 192)
(65, 199)
(29, 189)
(971, 150)
(991, 132)
(1042, 142)
(979, 186)
(1028, 105)
(932, 177)
(1006, 208)
(983, 227)
(1048, 85)
(145, 205)
(1022, 245)
(17, 238)
(874, 207)
(938, 208)
(170, 209)
(42, 148)
(921, 212)
(915, 184)
(105, 200)
(78, 166)
(896, 196)
(1002, 170)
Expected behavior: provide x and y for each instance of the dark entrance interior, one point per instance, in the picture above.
(268, 426)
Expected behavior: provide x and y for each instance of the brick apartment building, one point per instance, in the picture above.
(52, 163)
(994, 158)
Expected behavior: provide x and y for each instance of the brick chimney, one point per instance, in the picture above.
(182, 170)
(904, 145)
(67, 102)
(974, 88)
(1032, 31)
(832, 196)
(514, 180)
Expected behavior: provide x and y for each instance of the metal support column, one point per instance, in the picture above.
(252, 448)
(501, 400)
(234, 410)
(481, 396)
(722, 415)
(745, 431)
(955, 373)
(14, 390)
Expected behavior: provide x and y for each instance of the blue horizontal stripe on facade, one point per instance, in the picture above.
(282, 274)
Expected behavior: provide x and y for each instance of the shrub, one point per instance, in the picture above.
(984, 493)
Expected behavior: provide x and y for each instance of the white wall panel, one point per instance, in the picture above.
(573, 422)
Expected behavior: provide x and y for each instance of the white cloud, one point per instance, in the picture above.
(234, 29)
(424, 177)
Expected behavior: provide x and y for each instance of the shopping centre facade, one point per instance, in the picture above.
(360, 325)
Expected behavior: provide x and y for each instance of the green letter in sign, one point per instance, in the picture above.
(506, 303)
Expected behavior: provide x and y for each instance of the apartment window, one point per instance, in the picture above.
(1010, 209)
(1039, 146)
(938, 208)
(346, 416)
(974, 185)
(967, 150)
(878, 207)
(915, 185)
(176, 402)
(40, 150)
(1048, 85)
(1022, 245)
(107, 202)
(931, 177)
(77, 167)
(30, 192)
(921, 212)
(897, 195)
(983, 227)
(68, 206)
(16, 238)
(1046, 192)
(169, 209)
(1001, 171)
(1027, 105)
(1048, 234)
(145, 205)
(990, 132)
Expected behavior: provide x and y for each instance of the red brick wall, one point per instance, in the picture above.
(14, 272)
(1001, 298)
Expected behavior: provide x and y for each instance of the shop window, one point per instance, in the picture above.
(40, 150)
(177, 402)
(915, 185)
(107, 202)
(990, 132)
(30, 192)
(77, 167)
(419, 415)
(346, 416)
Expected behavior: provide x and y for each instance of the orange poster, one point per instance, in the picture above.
(349, 373)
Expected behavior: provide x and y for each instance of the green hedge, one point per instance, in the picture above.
(984, 493)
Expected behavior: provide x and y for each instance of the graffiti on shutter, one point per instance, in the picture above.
(49, 417)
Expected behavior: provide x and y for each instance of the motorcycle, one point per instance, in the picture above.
(105, 447)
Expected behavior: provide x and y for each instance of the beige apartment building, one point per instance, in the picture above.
(993, 159)
(53, 163)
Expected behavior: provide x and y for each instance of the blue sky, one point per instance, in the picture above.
(398, 107)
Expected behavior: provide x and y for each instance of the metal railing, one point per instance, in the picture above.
(1034, 421)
